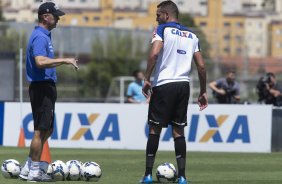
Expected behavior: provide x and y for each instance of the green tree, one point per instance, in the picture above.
(116, 55)
(1, 14)
(1, 17)
(13, 39)
(188, 21)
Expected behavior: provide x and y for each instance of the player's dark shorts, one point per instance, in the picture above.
(43, 95)
(168, 104)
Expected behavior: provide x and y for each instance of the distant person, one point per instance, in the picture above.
(173, 49)
(226, 90)
(269, 91)
(41, 73)
(134, 90)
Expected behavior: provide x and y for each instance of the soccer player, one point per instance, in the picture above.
(41, 73)
(173, 48)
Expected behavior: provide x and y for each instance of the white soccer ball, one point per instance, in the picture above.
(74, 167)
(50, 170)
(91, 171)
(70, 162)
(11, 168)
(166, 172)
(60, 170)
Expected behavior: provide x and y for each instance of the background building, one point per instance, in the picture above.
(275, 28)
(241, 27)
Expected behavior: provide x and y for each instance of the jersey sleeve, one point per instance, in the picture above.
(197, 45)
(219, 82)
(158, 34)
(40, 46)
(129, 92)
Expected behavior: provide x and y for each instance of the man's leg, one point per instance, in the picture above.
(38, 169)
(152, 147)
(36, 147)
(43, 164)
(35, 150)
(180, 149)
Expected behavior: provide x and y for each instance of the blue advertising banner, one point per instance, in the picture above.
(222, 128)
(1, 122)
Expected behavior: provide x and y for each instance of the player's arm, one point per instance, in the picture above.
(153, 56)
(130, 94)
(237, 98)
(40, 46)
(152, 59)
(213, 86)
(236, 95)
(45, 62)
(203, 99)
(274, 92)
(131, 100)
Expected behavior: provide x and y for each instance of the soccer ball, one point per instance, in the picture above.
(166, 173)
(91, 171)
(11, 168)
(77, 162)
(50, 170)
(74, 167)
(60, 170)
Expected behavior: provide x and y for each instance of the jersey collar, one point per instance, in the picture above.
(43, 30)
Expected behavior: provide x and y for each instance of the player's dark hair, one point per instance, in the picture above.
(270, 74)
(135, 73)
(169, 7)
(40, 18)
(227, 71)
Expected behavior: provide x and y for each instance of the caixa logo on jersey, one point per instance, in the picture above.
(210, 128)
(110, 127)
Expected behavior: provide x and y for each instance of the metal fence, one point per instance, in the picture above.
(78, 42)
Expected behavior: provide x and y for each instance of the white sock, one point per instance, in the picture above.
(34, 168)
(44, 165)
(27, 164)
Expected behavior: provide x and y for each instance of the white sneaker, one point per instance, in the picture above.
(41, 177)
(24, 173)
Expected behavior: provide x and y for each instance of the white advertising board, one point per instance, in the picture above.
(224, 128)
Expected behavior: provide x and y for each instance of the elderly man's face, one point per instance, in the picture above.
(51, 20)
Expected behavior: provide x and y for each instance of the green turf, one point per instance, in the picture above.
(126, 167)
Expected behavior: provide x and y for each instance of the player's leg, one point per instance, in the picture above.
(36, 147)
(50, 107)
(42, 102)
(157, 118)
(180, 149)
(179, 121)
(33, 161)
(151, 150)
(35, 95)
(152, 147)
(37, 171)
(26, 168)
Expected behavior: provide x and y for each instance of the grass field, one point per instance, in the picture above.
(126, 167)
